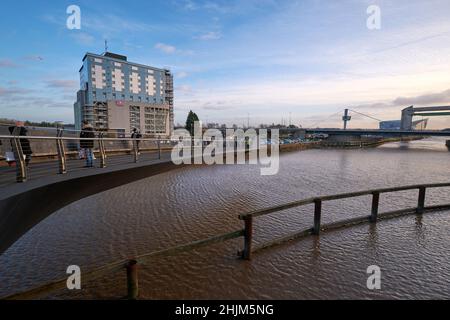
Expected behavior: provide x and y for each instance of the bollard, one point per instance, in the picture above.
(375, 203)
(132, 280)
(317, 215)
(248, 235)
(421, 200)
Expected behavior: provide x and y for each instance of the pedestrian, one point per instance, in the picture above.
(87, 145)
(136, 134)
(19, 129)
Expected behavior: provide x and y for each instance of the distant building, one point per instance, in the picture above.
(118, 95)
(397, 124)
(390, 125)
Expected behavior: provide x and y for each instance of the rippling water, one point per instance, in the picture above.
(197, 202)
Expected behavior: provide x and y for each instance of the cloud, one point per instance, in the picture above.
(184, 89)
(6, 63)
(440, 97)
(212, 35)
(190, 5)
(181, 75)
(169, 49)
(218, 105)
(83, 38)
(34, 58)
(110, 24)
(165, 48)
(62, 84)
(8, 92)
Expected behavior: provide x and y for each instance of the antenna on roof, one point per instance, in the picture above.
(106, 46)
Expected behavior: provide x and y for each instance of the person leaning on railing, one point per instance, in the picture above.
(87, 145)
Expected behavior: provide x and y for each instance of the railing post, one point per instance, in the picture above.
(135, 151)
(102, 151)
(132, 280)
(159, 149)
(421, 200)
(61, 152)
(317, 215)
(248, 235)
(21, 169)
(375, 203)
(193, 151)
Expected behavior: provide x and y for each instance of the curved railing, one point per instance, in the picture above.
(66, 151)
(130, 265)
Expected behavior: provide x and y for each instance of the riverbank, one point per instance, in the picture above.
(324, 144)
(369, 143)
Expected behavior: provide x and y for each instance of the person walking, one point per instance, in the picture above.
(136, 134)
(19, 129)
(87, 132)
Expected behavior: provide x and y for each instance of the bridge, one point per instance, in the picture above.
(410, 112)
(59, 178)
(378, 132)
(406, 127)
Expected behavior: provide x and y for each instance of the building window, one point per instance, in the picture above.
(155, 120)
(135, 117)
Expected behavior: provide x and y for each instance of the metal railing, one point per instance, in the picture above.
(65, 149)
(317, 201)
(130, 266)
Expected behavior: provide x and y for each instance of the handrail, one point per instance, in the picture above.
(77, 138)
(307, 201)
(95, 139)
(247, 233)
(117, 266)
(19, 148)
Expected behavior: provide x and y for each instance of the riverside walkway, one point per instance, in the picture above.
(56, 178)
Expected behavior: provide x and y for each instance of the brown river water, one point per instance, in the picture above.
(194, 203)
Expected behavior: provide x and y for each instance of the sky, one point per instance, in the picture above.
(262, 61)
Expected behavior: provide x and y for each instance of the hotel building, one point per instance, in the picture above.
(117, 95)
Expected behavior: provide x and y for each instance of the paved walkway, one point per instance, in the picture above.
(47, 172)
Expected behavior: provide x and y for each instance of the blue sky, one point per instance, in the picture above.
(264, 59)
